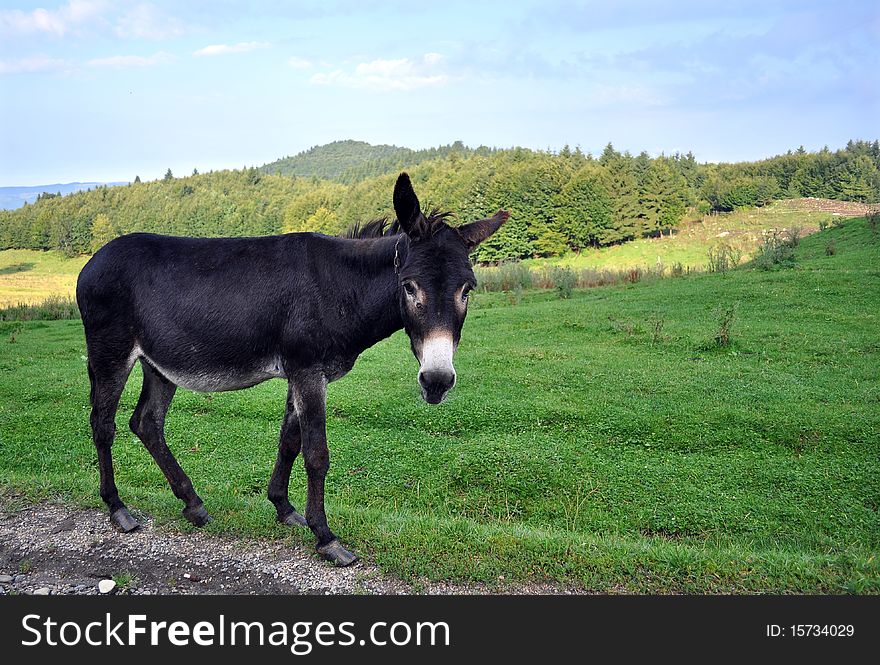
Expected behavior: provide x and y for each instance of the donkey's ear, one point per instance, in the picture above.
(476, 232)
(406, 204)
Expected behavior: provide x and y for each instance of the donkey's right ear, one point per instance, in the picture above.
(406, 205)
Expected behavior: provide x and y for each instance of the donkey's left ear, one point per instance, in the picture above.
(406, 206)
(476, 232)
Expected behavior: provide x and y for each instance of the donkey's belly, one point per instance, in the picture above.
(207, 379)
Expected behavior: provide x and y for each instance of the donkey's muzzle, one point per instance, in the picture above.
(435, 384)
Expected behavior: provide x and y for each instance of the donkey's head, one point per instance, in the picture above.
(435, 277)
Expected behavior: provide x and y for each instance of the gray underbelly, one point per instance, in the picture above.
(213, 380)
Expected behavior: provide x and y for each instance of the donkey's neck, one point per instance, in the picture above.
(371, 298)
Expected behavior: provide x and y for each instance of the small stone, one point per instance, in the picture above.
(106, 586)
(42, 591)
(187, 575)
(5, 579)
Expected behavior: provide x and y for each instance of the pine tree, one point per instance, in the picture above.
(583, 209)
(168, 175)
(859, 180)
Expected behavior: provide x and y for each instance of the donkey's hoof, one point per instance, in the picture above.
(123, 520)
(335, 552)
(197, 515)
(293, 519)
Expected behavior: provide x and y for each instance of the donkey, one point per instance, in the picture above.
(214, 314)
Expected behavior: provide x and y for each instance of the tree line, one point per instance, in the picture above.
(559, 201)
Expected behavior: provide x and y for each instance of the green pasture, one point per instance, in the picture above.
(605, 441)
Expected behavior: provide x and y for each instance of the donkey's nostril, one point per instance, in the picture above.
(436, 378)
(435, 384)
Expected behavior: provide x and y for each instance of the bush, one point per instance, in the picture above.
(830, 249)
(655, 324)
(564, 280)
(793, 236)
(775, 251)
(726, 319)
(723, 258)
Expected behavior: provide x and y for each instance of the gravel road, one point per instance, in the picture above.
(58, 549)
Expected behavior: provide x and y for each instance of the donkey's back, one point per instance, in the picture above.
(207, 313)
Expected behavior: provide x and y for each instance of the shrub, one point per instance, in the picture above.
(793, 236)
(830, 249)
(677, 269)
(775, 250)
(655, 325)
(726, 319)
(723, 258)
(564, 281)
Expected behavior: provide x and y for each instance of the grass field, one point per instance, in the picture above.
(604, 440)
(689, 244)
(28, 276)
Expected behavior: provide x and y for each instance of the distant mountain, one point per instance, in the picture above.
(15, 197)
(353, 161)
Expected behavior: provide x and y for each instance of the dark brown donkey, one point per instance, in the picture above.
(212, 314)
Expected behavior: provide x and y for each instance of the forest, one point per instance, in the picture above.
(560, 202)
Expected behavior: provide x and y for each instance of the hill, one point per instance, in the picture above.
(560, 203)
(352, 161)
(582, 443)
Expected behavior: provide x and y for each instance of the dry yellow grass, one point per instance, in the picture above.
(28, 276)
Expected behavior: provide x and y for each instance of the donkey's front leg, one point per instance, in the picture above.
(310, 396)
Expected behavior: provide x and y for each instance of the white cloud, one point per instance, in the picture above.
(146, 21)
(33, 64)
(222, 49)
(125, 61)
(56, 22)
(300, 63)
(398, 74)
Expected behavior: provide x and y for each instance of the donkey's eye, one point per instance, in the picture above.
(465, 292)
(410, 289)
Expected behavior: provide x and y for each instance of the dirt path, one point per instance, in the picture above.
(59, 549)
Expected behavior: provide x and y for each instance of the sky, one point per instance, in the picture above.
(94, 90)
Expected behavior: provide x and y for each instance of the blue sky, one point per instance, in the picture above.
(101, 90)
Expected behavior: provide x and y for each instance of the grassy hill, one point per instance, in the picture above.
(691, 241)
(583, 442)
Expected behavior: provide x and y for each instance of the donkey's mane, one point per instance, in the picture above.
(382, 227)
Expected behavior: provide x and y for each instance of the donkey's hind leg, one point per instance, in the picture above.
(148, 423)
(106, 390)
